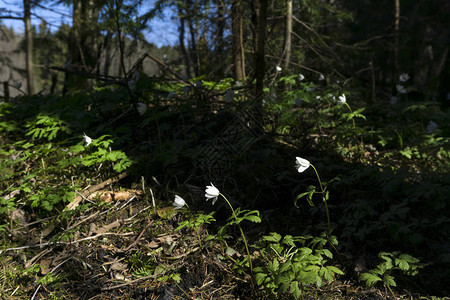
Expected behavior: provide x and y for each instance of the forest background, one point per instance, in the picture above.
(93, 108)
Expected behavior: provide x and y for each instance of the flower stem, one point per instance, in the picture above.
(243, 237)
(323, 197)
(351, 113)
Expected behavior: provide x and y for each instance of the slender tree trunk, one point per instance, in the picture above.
(237, 40)
(288, 35)
(29, 46)
(396, 38)
(220, 26)
(183, 50)
(260, 51)
(108, 39)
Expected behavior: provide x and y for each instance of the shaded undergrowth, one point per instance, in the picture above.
(94, 218)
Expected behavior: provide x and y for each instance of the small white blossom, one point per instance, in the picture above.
(238, 83)
(278, 68)
(142, 108)
(321, 77)
(301, 77)
(431, 127)
(87, 140)
(393, 100)
(211, 192)
(342, 99)
(401, 89)
(178, 202)
(301, 164)
(318, 97)
(310, 89)
(404, 77)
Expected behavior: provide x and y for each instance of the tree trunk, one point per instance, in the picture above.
(108, 40)
(29, 46)
(183, 50)
(237, 40)
(396, 39)
(260, 51)
(287, 44)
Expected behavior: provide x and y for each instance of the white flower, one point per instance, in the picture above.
(87, 140)
(401, 89)
(321, 77)
(310, 89)
(393, 100)
(431, 127)
(342, 99)
(318, 97)
(178, 202)
(238, 83)
(211, 192)
(404, 77)
(301, 77)
(142, 108)
(278, 68)
(301, 164)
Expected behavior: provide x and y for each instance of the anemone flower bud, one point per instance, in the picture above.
(301, 164)
(142, 108)
(87, 140)
(178, 202)
(211, 192)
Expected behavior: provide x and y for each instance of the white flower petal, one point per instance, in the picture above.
(342, 99)
(211, 192)
(87, 140)
(321, 77)
(178, 202)
(301, 77)
(278, 68)
(142, 108)
(401, 89)
(301, 164)
(404, 77)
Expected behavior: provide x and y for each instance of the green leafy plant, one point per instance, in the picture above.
(393, 261)
(290, 264)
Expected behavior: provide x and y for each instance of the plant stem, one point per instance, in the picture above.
(244, 239)
(353, 120)
(323, 197)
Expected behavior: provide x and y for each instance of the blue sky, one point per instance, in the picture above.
(162, 32)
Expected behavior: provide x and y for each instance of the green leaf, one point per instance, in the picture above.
(370, 279)
(295, 290)
(273, 237)
(260, 277)
(388, 280)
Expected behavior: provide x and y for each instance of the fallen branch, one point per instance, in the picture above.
(76, 201)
